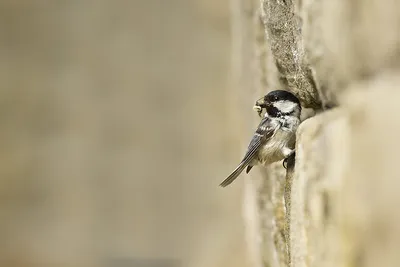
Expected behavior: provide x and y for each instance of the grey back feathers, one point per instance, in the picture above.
(264, 131)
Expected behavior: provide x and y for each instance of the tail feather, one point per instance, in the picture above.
(233, 175)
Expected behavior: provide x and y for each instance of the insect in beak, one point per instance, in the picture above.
(260, 104)
(258, 109)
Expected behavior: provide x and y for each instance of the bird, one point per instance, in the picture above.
(275, 136)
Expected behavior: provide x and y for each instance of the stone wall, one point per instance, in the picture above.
(338, 205)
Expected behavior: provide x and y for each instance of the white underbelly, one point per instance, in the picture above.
(272, 151)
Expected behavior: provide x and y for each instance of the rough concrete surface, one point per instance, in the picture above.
(338, 205)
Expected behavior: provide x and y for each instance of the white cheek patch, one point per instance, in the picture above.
(285, 106)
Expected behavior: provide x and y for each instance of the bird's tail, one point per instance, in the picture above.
(233, 175)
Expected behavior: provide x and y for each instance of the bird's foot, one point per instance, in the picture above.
(289, 161)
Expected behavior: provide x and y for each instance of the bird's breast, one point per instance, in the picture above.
(272, 150)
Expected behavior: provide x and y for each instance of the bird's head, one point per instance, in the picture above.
(279, 103)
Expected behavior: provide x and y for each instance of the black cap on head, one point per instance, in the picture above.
(278, 95)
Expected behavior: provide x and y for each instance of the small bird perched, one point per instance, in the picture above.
(275, 137)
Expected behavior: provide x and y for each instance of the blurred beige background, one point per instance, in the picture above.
(117, 127)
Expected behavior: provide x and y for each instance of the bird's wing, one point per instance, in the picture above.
(264, 132)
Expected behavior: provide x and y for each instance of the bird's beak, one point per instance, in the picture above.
(260, 103)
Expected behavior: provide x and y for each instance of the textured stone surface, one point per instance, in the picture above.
(349, 40)
(321, 160)
(283, 33)
(370, 217)
(338, 206)
(344, 189)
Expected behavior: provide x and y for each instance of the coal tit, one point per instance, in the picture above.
(275, 137)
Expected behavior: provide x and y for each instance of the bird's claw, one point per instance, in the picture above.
(289, 161)
(284, 163)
